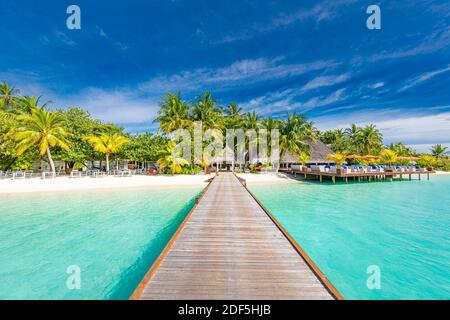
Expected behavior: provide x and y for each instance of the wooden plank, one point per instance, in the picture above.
(230, 248)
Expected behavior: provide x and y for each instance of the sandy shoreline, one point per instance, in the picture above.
(8, 186)
(267, 178)
(66, 184)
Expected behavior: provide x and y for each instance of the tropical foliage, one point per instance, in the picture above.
(388, 156)
(428, 161)
(339, 158)
(304, 158)
(42, 129)
(358, 140)
(171, 159)
(30, 132)
(438, 150)
(107, 144)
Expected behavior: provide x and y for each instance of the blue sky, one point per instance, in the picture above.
(313, 57)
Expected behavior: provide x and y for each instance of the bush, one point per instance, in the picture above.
(443, 164)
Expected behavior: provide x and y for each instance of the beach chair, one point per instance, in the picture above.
(99, 174)
(76, 174)
(16, 175)
(48, 175)
(127, 173)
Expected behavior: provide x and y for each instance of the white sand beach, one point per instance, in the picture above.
(66, 184)
(8, 186)
(442, 173)
(267, 178)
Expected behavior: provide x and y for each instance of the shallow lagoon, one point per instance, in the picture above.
(112, 236)
(402, 227)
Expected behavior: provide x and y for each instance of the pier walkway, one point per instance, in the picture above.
(230, 247)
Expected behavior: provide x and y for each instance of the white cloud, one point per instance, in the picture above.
(287, 100)
(119, 106)
(376, 85)
(244, 71)
(325, 81)
(118, 44)
(434, 42)
(424, 77)
(316, 102)
(64, 38)
(325, 10)
(408, 126)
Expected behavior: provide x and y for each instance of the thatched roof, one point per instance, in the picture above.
(319, 152)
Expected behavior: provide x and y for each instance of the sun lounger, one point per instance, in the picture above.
(21, 175)
(98, 174)
(48, 175)
(78, 174)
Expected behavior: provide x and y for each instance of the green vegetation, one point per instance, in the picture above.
(427, 161)
(304, 158)
(356, 140)
(171, 160)
(30, 132)
(438, 150)
(107, 144)
(43, 129)
(339, 158)
(388, 156)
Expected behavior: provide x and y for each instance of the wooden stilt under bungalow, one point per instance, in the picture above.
(231, 247)
(369, 176)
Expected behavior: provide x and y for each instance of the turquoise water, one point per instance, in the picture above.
(111, 236)
(402, 227)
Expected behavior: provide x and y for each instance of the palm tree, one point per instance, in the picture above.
(173, 114)
(107, 144)
(388, 156)
(304, 158)
(7, 95)
(26, 104)
(352, 132)
(171, 159)
(233, 116)
(369, 139)
(428, 162)
(252, 120)
(42, 128)
(401, 149)
(339, 158)
(438, 150)
(206, 111)
(233, 110)
(294, 134)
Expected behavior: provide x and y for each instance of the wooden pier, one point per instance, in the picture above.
(231, 247)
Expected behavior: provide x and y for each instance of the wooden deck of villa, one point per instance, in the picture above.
(361, 176)
(231, 247)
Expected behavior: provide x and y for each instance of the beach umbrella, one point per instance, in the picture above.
(354, 156)
(408, 158)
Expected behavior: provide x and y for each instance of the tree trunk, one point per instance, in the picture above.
(10, 164)
(69, 166)
(50, 160)
(107, 162)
